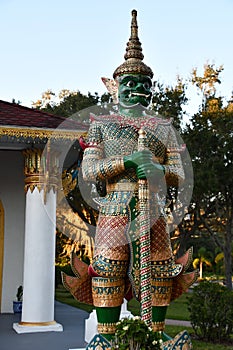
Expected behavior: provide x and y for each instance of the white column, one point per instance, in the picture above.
(39, 259)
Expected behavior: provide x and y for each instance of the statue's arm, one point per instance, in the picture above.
(174, 172)
(95, 165)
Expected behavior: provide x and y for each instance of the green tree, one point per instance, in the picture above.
(69, 103)
(210, 139)
(207, 82)
(168, 101)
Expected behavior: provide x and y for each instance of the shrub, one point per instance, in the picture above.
(211, 312)
(134, 334)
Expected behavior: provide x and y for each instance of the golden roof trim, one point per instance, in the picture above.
(40, 133)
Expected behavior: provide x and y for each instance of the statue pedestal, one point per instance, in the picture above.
(124, 311)
(90, 326)
(20, 329)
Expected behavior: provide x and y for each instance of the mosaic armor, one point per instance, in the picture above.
(117, 254)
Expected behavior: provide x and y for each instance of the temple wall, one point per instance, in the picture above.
(13, 199)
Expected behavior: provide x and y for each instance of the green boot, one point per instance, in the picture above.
(181, 341)
(107, 318)
(158, 321)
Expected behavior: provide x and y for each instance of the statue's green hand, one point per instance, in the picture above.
(136, 159)
(150, 171)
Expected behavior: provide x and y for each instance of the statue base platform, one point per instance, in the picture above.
(20, 329)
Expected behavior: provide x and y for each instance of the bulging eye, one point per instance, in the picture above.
(130, 83)
(147, 85)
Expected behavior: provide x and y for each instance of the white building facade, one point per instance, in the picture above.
(29, 178)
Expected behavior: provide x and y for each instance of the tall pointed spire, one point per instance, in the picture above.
(133, 57)
(134, 48)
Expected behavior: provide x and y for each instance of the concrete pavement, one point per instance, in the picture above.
(72, 319)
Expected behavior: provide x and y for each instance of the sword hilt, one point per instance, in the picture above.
(141, 140)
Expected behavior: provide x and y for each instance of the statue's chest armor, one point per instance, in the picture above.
(123, 140)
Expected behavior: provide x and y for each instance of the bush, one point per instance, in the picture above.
(134, 334)
(211, 312)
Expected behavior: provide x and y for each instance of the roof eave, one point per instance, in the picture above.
(40, 133)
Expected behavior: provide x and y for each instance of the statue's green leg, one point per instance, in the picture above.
(161, 296)
(108, 294)
(158, 320)
(107, 318)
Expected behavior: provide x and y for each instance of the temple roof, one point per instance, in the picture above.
(20, 121)
(12, 114)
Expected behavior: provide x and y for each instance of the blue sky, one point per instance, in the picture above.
(71, 44)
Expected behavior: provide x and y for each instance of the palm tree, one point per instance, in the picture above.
(203, 258)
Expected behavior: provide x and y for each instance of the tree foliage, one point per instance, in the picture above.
(210, 139)
(211, 312)
(207, 82)
(68, 103)
(169, 101)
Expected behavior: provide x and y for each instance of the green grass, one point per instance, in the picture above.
(177, 310)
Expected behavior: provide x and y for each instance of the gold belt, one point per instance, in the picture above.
(121, 186)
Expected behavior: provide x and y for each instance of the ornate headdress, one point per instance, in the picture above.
(133, 57)
(133, 61)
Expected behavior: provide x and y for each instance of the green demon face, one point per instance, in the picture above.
(134, 90)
